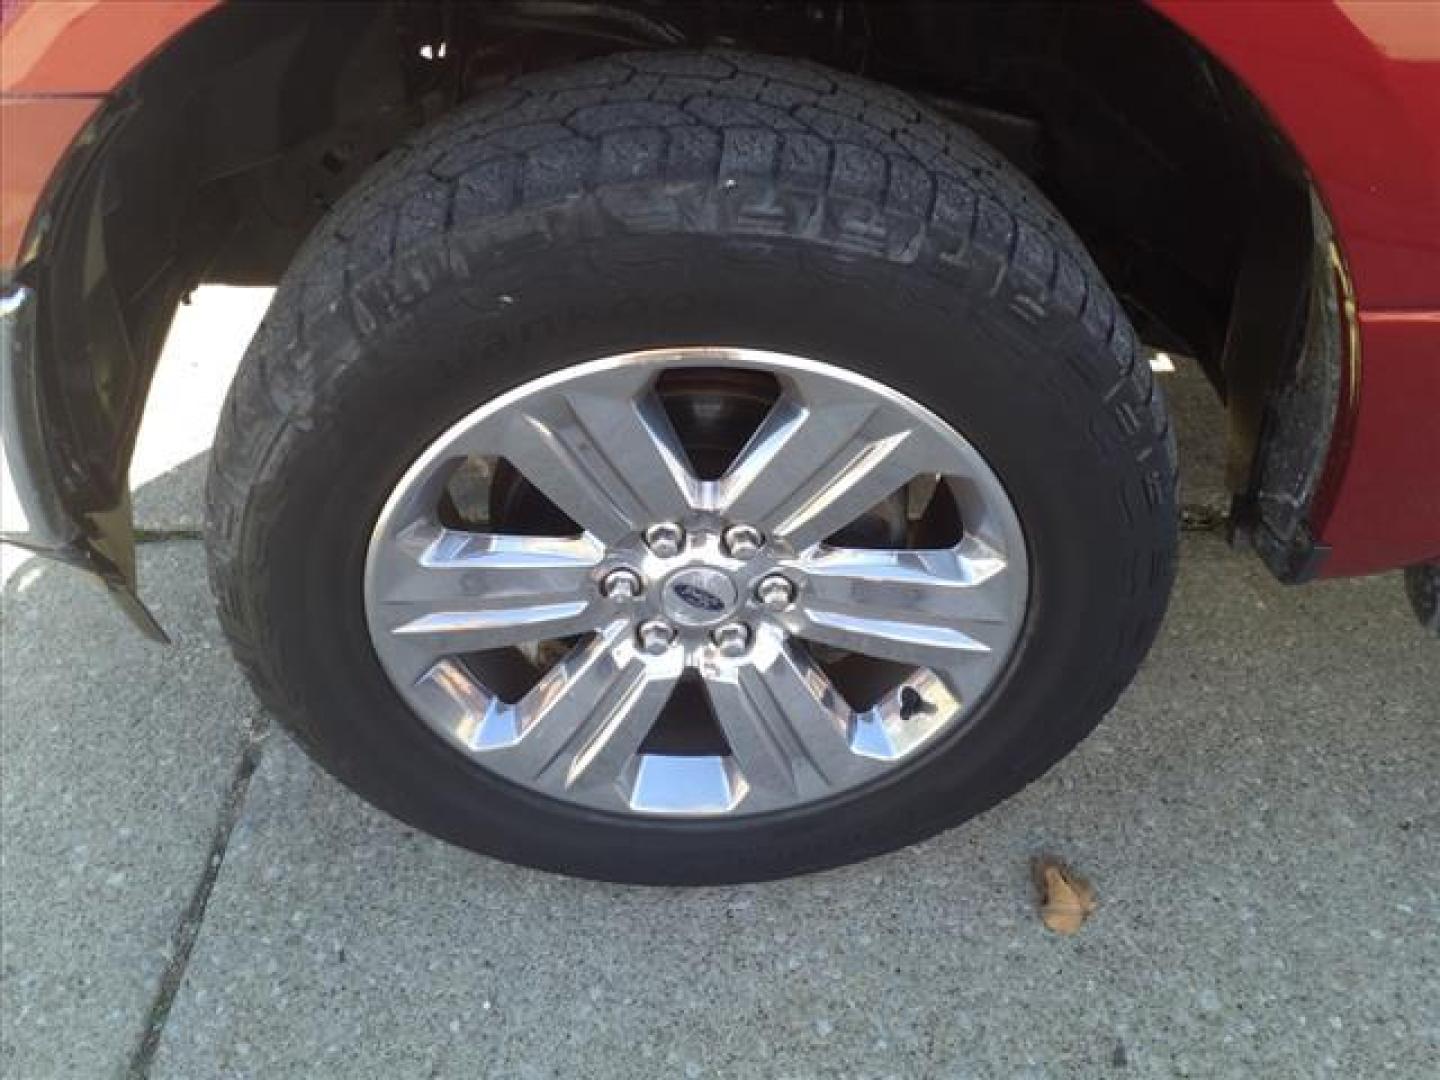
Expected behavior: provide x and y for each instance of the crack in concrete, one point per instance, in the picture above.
(164, 536)
(1200, 518)
(187, 930)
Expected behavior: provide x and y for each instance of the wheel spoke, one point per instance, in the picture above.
(612, 462)
(787, 726)
(965, 587)
(582, 724)
(949, 610)
(453, 592)
(810, 470)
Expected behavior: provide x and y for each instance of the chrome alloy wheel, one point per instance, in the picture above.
(667, 591)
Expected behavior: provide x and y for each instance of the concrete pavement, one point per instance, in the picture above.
(1258, 815)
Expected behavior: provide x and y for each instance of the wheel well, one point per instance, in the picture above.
(217, 158)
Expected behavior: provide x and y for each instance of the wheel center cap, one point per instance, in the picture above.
(699, 597)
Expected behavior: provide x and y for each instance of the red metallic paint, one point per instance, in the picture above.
(1356, 87)
(1383, 501)
(58, 60)
(1354, 84)
(86, 46)
(34, 135)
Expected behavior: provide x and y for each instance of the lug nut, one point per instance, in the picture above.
(621, 584)
(732, 639)
(776, 592)
(743, 541)
(656, 635)
(665, 539)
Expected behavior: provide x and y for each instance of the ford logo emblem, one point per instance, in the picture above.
(697, 597)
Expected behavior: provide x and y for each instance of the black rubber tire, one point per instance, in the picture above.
(696, 198)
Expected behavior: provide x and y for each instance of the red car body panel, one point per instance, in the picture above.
(1379, 504)
(35, 132)
(86, 46)
(58, 61)
(1354, 85)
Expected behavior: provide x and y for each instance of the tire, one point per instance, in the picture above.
(707, 199)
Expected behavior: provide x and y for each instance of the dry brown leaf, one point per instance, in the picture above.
(1066, 898)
